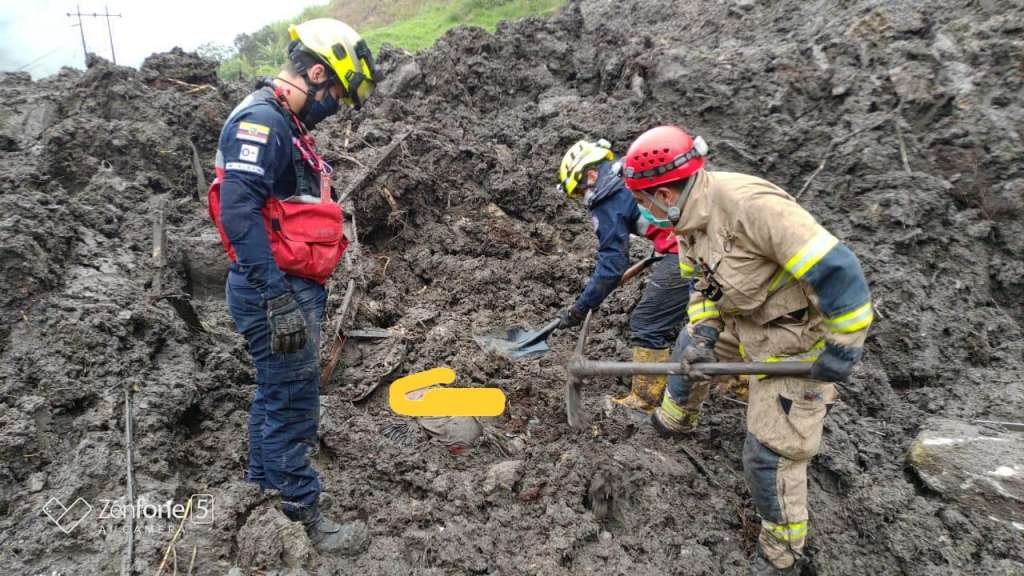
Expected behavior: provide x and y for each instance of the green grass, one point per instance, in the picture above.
(416, 25)
(432, 22)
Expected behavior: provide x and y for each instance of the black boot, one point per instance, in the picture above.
(327, 535)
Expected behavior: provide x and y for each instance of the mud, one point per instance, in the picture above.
(899, 122)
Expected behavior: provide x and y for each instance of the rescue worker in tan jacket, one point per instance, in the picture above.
(769, 283)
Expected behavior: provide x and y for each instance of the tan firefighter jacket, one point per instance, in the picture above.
(767, 271)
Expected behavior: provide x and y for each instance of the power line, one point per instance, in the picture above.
(81, 28)
(38, 60)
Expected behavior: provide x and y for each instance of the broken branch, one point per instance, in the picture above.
(197, 168)
(903, 149)
(129, 556)
(194, 87)
(167, 553)
(337, 336)
(358, 181)
(192, 563)
(159, 244)
(699, 463)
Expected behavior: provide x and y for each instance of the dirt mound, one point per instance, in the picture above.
(168, 68)
(897, 123)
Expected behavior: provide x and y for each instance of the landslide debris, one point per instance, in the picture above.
(898, 123)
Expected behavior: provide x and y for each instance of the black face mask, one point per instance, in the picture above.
(607, 182)
(313, 111)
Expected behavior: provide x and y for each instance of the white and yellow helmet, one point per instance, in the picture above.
(581, 156)
(344, 51)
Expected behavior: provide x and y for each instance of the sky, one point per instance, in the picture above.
(39, 37)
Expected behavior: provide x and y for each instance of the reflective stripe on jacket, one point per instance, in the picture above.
(768, 271)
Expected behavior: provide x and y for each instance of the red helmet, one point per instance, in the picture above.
(662, 155)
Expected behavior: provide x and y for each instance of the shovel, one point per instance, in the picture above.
(580, 367)
(519, 343)
(637, 268)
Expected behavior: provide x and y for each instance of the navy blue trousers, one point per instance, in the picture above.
(285, 410)
(661, 312)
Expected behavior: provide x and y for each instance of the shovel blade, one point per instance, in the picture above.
(511, 343)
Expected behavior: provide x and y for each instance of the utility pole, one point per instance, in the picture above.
(110, 34)
(81, 28)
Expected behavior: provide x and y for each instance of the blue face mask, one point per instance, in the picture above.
(658, 222)
(314, 111)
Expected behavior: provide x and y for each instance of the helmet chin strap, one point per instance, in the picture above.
(673, 213)
(311, 87)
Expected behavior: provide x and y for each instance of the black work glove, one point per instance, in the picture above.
(287, 325)
(570, 317)
(835, 363)
(701, 349)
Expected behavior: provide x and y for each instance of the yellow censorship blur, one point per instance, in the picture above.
(443, 401)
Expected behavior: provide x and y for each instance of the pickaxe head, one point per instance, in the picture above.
(573, 401)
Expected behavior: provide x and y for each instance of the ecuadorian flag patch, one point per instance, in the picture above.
(253, 132)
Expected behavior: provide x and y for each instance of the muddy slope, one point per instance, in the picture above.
(897, 122)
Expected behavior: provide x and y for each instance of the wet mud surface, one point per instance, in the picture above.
(897, 123)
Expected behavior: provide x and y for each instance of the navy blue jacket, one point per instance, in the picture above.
(614, 215)
(255, 151)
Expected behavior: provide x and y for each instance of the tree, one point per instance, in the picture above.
(214, 51)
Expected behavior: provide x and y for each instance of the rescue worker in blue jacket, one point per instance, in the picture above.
(589, 171)
(282, 228)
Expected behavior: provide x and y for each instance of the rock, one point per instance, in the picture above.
(913, 81)
(503, 475)
(698, 559)
(405, 77)
(269, 540)
(976, 466)
(553, 105)
(516, 445)
(26, 121)
(452, 431)
(669, 74)
(163, 68)
(980, 230)
(203, 261)
(36, 482)
(636, 85)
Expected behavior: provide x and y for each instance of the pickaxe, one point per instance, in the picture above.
(579, 368)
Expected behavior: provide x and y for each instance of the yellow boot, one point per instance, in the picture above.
(738, 386)
(646, 390)
(742, 390)
(673, 420)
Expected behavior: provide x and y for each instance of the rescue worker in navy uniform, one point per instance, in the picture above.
(274, 207)
(589, 171)
(770, 284)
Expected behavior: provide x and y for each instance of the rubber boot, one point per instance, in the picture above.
(737, 386)
(672, 420)
(325, 534)
(761, 566)
(742, 388)
(646, 389)
(345, 539)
